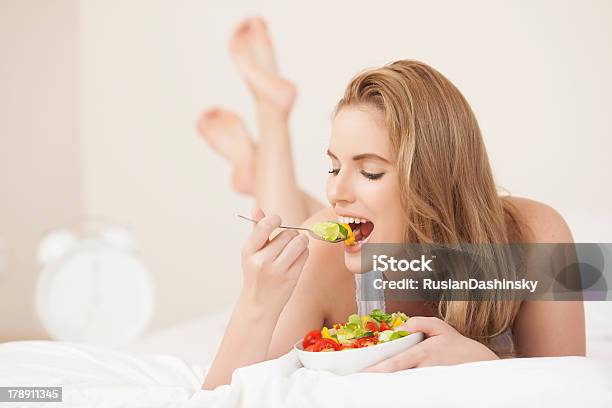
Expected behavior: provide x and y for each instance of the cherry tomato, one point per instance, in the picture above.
(384, 326)
(311, 338)
(366, 342)
(326, 345)
(310, 348)
(371, 326)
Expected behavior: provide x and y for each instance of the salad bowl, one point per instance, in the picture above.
(353, 360)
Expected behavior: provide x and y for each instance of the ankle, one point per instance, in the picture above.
(271, 112)
(277, 97)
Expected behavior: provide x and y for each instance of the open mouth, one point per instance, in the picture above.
(361, 227)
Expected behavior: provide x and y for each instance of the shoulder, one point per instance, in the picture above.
(544, 223)
(538, 323)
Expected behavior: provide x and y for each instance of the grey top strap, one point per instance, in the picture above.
(367, 297)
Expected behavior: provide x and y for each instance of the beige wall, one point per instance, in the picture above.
(536, 74)
(40, 178)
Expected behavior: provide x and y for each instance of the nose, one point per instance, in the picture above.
(340, 189)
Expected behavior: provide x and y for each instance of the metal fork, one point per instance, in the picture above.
(310, 232)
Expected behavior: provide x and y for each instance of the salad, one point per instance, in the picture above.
(332, 231)
(358, 332)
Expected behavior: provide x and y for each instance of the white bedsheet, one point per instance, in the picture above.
(93, 376)
(536, 382)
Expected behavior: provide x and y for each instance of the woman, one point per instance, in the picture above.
(407, 161)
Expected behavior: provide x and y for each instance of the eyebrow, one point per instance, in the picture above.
(362, 156)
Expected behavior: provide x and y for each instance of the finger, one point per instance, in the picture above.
(259, 237)
(257, 214)
(275, 247)
(411, 358)
(291, 252)
(430, 326)
(295, 270)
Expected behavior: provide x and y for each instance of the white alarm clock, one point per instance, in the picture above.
(93, 288)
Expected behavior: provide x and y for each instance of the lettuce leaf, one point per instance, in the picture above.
(398, 334)
(342, 231)
(380, 316)
(385, 336)
(354, 319)
(365, 334)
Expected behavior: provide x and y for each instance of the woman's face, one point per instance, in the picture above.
(363, 183)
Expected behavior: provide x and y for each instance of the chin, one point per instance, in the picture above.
(353, 262)
(352, 256)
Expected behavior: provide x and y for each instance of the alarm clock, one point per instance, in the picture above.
(93, 288)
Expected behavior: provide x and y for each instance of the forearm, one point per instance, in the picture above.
(248, 321)
(276, 188)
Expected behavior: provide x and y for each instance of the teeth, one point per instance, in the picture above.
(351, 220)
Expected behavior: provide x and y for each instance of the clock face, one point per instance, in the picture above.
(95, 293)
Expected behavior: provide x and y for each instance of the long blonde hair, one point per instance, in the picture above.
(446, 183)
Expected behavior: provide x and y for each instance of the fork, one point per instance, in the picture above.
(310, 232)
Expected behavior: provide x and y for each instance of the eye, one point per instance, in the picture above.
(333, 171)
(372, 176)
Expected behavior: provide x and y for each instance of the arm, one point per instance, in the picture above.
(547, 328)
(248, 321)
(305, 310)
(271, 270)
(302, 314)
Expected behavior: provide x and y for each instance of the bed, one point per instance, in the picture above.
(166, 369)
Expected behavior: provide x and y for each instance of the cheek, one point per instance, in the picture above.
(328, 190)
(390, 213)
(397, 226)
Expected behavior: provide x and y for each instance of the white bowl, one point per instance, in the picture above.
(354, 360)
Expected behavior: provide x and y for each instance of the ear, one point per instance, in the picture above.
(117, 237)
(56, 244)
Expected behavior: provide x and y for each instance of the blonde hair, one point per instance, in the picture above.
(446, 183)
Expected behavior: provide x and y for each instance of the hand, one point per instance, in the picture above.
(272, 266)
(443, 346)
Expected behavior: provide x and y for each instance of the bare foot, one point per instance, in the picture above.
(226, 134)
(252, 51)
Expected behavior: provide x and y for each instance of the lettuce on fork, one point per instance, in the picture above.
(332, 231)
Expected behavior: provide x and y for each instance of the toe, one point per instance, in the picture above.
(243, 26)
(207, 119)
(259, 29)
(258, 24)
(240, 36)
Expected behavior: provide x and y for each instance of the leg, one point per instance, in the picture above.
(312, 204)
(227, 134)
(276, 190)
